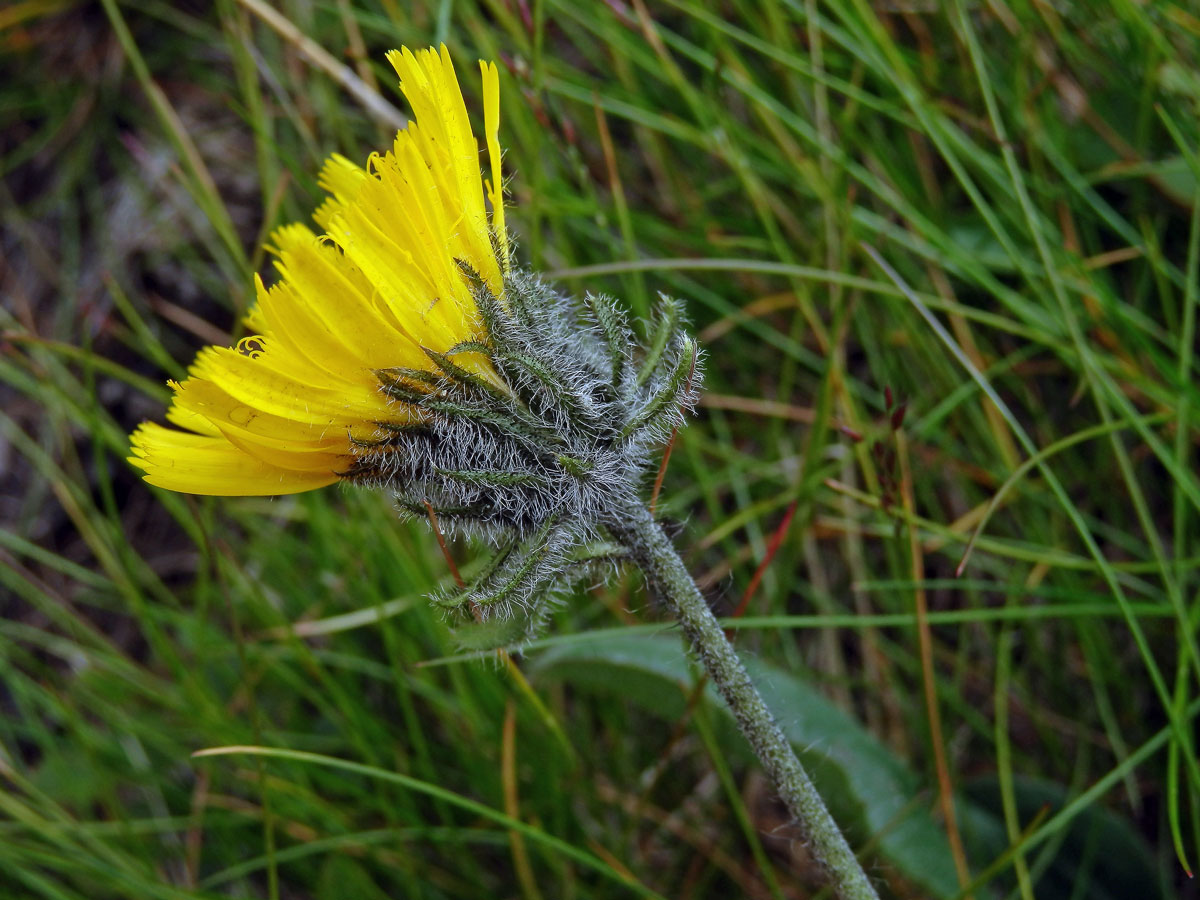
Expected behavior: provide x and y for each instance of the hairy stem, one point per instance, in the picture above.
(654, 554)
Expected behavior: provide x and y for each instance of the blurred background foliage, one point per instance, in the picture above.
(943, 259)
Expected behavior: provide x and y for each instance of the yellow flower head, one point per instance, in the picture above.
(295, 406)
(403, 350)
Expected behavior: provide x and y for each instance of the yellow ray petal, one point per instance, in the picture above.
(491, 128)
(316, 273)
(188, 420)
(306, 337)
(254, 321)
(445, 141)
(258, 383)
(315, 462)
(199, 464)
(426, 308)
(342, 179)
(295, 333)
(244, 424)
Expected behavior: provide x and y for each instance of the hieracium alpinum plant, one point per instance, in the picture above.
(402, 348)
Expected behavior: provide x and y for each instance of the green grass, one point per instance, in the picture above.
(988, 211)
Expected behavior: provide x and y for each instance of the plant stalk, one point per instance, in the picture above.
(664, 570)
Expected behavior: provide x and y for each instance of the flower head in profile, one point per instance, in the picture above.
(401, 348)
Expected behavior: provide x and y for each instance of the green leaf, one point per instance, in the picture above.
(869, 791)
